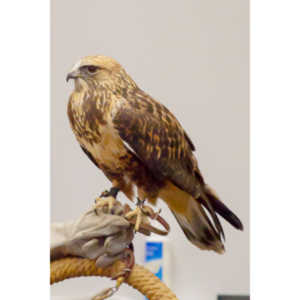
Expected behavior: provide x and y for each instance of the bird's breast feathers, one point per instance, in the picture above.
(108, 150)
(91, 121)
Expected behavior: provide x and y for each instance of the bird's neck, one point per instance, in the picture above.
(121, 84)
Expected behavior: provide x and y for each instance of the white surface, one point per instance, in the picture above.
(193, 57)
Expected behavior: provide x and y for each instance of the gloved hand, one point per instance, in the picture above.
(100, 236)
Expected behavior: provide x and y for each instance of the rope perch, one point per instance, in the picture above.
(140, 278)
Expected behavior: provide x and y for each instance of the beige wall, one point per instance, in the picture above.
(193, 57)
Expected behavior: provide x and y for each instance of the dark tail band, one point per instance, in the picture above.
(223, 210)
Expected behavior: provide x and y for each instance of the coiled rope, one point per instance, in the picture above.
(140, 278)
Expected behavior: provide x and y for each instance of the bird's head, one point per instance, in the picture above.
(95, 71)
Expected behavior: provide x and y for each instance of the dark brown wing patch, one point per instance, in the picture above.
(158, 140)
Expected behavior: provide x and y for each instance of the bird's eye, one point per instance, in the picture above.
(92, 69)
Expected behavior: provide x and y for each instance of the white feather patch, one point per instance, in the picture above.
(129, 147)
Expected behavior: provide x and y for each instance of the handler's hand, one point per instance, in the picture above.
(98, 236)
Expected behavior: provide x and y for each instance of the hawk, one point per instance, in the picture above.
(137, 142)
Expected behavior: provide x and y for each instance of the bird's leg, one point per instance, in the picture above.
(138, 213)
(107, 198)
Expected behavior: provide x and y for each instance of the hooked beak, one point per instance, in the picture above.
(72, 75)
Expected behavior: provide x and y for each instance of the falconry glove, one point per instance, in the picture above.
(94, 235)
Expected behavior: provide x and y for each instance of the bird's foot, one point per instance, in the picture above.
(138, 213)
(107, 200)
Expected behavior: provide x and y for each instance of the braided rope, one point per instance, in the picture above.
(140, 278)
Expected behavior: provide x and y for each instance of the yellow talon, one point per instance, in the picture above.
(138, 212)
(101, 202)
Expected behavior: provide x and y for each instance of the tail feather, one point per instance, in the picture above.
(203, 199)
(198, 228)
(222, 209)
(204, 232)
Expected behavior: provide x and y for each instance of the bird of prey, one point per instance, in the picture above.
(137, 142)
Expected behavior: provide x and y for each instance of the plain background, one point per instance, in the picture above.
(193, 57)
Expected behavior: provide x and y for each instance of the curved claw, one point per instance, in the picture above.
(145, 227)
(148, 211)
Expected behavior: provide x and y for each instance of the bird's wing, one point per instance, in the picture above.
(160, 142)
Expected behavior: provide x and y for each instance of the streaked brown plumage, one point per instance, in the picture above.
(135, 140)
